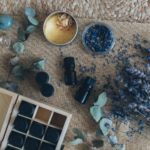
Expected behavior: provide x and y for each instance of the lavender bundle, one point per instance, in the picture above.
(132, 96)
(132, 99)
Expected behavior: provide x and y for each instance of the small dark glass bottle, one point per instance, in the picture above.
(70, 73)
(84, 91)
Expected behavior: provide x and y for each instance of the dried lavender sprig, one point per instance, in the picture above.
(135, 72)
(133, 93)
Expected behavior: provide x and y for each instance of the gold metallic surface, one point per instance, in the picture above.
(58, 36)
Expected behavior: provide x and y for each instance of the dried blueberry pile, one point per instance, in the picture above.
(98, 38)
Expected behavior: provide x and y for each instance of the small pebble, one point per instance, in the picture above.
(6, 21)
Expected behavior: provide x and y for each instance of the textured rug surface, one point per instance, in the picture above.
(122, 10)
(37, 46)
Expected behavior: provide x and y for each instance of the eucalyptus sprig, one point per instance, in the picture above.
(19, 70)
(106, 128)
(105, 123)
(83, 138)
(24, 32)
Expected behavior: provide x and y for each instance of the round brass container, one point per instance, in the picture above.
(56, 35)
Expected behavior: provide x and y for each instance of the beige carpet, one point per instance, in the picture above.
(37, 46)
(122, 10)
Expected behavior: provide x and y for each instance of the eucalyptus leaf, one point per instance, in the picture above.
(76, 141)
(33, 21)
(102, 100)
(79, 134)
(30, 29)
(97, 143)
(18, 47)
(39, 65)
(120, 147)
(18, 71)
(30, 12)
(21, 34)
(113, 140)
(96, 113)
(11, 86)
(105, 125)
(14, 60)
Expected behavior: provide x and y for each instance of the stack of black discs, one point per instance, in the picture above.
(42, 79)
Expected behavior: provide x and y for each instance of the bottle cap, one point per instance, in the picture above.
(89, 81)
(69, 62)
(85, 89)
(47, 90)
(42, 78)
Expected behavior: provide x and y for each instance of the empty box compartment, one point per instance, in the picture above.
(58, 120)
(43, 114)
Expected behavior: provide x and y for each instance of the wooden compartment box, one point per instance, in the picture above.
(26, 124)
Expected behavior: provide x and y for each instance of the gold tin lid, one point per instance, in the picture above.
(60, 28)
